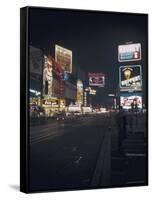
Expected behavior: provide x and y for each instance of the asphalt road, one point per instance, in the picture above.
(65, 155)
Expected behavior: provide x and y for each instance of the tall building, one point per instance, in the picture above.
(35, 69)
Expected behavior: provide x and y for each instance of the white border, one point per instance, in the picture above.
(9, 128)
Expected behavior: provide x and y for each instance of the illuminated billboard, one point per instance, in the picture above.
(79, 92)
(127, 100)
(96, 79)
(63, 57)
(52, 86)
(129, 52)
(130, 78)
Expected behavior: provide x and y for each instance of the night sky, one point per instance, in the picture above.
(93, 38)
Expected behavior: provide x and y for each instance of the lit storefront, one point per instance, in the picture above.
(35, 97)
(53, 105)
(50, 106)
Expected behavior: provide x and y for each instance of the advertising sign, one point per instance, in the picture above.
(129, 99)
(63, 57)
(79, 92)
(96, 79)
(130, 78)
(74, 108)
(52, 76)
(129, 52)
(48, 77)
(51, 102)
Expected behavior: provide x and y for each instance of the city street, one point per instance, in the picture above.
(87, 100)
(64, 155)
(86, 153)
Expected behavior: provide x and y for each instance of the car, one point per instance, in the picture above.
(60, 116)
(77, 113)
